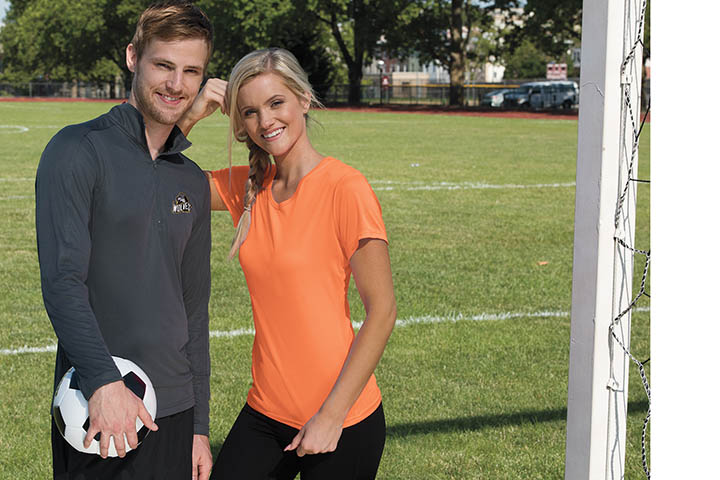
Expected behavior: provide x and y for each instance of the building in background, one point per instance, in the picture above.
(410, 72)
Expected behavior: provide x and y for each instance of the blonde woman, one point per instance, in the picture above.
(306, 221)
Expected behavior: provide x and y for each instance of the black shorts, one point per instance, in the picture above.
(253, 450)
(165, 454)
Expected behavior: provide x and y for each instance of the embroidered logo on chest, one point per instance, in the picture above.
(181, 204)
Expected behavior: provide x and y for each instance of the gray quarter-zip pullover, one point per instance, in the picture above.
(124, 252)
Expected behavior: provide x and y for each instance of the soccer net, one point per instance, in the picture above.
(627, 251)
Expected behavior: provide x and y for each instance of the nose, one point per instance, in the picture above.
(266, 119)
(174, 81)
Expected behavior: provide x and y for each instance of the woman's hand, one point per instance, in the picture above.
(206, 102)
(371, 269)
(319, 435)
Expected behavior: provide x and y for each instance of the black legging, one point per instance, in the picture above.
(253, 450)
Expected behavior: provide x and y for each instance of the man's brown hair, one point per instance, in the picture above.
(172, 20)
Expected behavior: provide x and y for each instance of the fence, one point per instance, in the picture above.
(96, 90)
(403, 94)
(413, 94)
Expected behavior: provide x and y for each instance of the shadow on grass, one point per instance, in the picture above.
(482, 422)
(215, 449)
(478, 422)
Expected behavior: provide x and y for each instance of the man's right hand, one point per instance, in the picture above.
(113, 409)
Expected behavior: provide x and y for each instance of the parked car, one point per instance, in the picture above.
(495, 98)
(519, 96)
(539, 95)
(561, 94)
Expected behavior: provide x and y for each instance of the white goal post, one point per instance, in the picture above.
(604, 212)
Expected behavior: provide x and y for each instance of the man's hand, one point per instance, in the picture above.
(319, 435)
(206, 102)
(201, 458)
(113, 409)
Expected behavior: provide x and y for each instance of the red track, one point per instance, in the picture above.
(464, 111)
(419, 109)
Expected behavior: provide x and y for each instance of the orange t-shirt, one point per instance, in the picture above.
(296, 260)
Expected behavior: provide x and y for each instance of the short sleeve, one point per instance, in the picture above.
(232, 194)
(357, 213)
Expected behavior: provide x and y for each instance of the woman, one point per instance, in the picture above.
(305, 223)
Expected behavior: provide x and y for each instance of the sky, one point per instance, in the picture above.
(4, 5)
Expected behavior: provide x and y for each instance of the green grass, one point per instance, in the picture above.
(464, 399)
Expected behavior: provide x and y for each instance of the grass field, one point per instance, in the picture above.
(479, 212)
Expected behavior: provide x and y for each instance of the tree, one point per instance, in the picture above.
(526, 62)
(67, 39)
(442, 31)
(550, 25)
(554, 26)
(242, 26)
(357, 26)
(309, 45)
(86, 39)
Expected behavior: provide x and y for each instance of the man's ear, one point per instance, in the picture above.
(131, 57)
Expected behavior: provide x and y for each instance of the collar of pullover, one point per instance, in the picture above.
(131, 121)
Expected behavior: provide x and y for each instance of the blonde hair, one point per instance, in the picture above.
(271, 60)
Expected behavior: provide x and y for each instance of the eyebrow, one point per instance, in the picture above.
(170, 62)
(275, 97)
(242, 108)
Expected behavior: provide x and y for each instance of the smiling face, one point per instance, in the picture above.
(167, 78)
(273, 115)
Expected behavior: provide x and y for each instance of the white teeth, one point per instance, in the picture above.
(172, 99)
(273, 134)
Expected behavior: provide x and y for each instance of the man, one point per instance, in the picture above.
(123, 232)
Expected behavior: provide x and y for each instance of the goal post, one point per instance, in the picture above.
(610, 88)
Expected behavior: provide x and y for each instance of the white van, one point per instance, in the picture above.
(554, 95)
(539, 95)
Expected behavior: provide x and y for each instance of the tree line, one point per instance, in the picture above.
(63, 40)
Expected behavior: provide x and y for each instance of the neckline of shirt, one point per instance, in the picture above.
(284, 203)
(132, 122)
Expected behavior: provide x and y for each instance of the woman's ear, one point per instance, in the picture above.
(306, 101)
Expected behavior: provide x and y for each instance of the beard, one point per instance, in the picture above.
(144, 97)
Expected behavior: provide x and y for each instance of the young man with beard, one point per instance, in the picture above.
(123, 233)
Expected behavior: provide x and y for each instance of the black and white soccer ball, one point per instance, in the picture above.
(70, 408)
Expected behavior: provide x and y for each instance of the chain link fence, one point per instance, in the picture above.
(404, 94)
(373, 94)
(412, 94)
(92, 90)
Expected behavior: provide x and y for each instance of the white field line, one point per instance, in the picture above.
(393, 185)
(410, 186)
(17, 351)
(13, 129)
(427, 319)
(17, 197)
(16, 179)
(389, 185)
(23, 128)
(241, 332)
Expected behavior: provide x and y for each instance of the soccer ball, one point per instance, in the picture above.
(70, 408)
